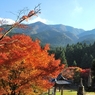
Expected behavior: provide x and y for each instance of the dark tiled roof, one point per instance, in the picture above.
(60, 80)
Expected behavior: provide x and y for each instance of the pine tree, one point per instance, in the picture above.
(93, 71)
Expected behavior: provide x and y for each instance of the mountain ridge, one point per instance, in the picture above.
(56, 35)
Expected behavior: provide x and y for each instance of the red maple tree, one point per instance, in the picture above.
(25, 67)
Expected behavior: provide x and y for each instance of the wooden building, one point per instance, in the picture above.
(59, 83)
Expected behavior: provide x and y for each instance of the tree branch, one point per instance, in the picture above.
(30, 14)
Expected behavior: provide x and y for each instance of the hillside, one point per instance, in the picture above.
(56, 35)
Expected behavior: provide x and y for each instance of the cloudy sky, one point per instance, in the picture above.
(76, 13)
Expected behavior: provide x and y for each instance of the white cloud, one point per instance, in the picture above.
(33, 20)
(77, 11)
(29, 21)
(6, 21)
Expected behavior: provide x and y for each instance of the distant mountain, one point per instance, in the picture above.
(56, 35)
(52, 37)
(87, 36)
(86, 33)
(39, 26)
(73, 30)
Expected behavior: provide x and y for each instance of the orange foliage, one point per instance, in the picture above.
(85, 73)
(69, 72)
(25, 67)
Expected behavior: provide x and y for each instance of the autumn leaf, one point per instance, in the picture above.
(31, 66)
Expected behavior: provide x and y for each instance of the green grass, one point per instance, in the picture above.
(90, 93)
(69, 92)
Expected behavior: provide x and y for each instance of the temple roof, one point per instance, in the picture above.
(61, 80)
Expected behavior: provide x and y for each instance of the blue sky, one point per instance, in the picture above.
(76, 13)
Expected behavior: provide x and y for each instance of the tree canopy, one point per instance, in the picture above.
(25, 66)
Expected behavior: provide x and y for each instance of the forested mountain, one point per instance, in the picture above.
(56, 35)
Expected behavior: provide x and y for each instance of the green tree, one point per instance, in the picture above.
(69, 55)
(74, 63)
(59, 54)
(86, 61)
(93, 71)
